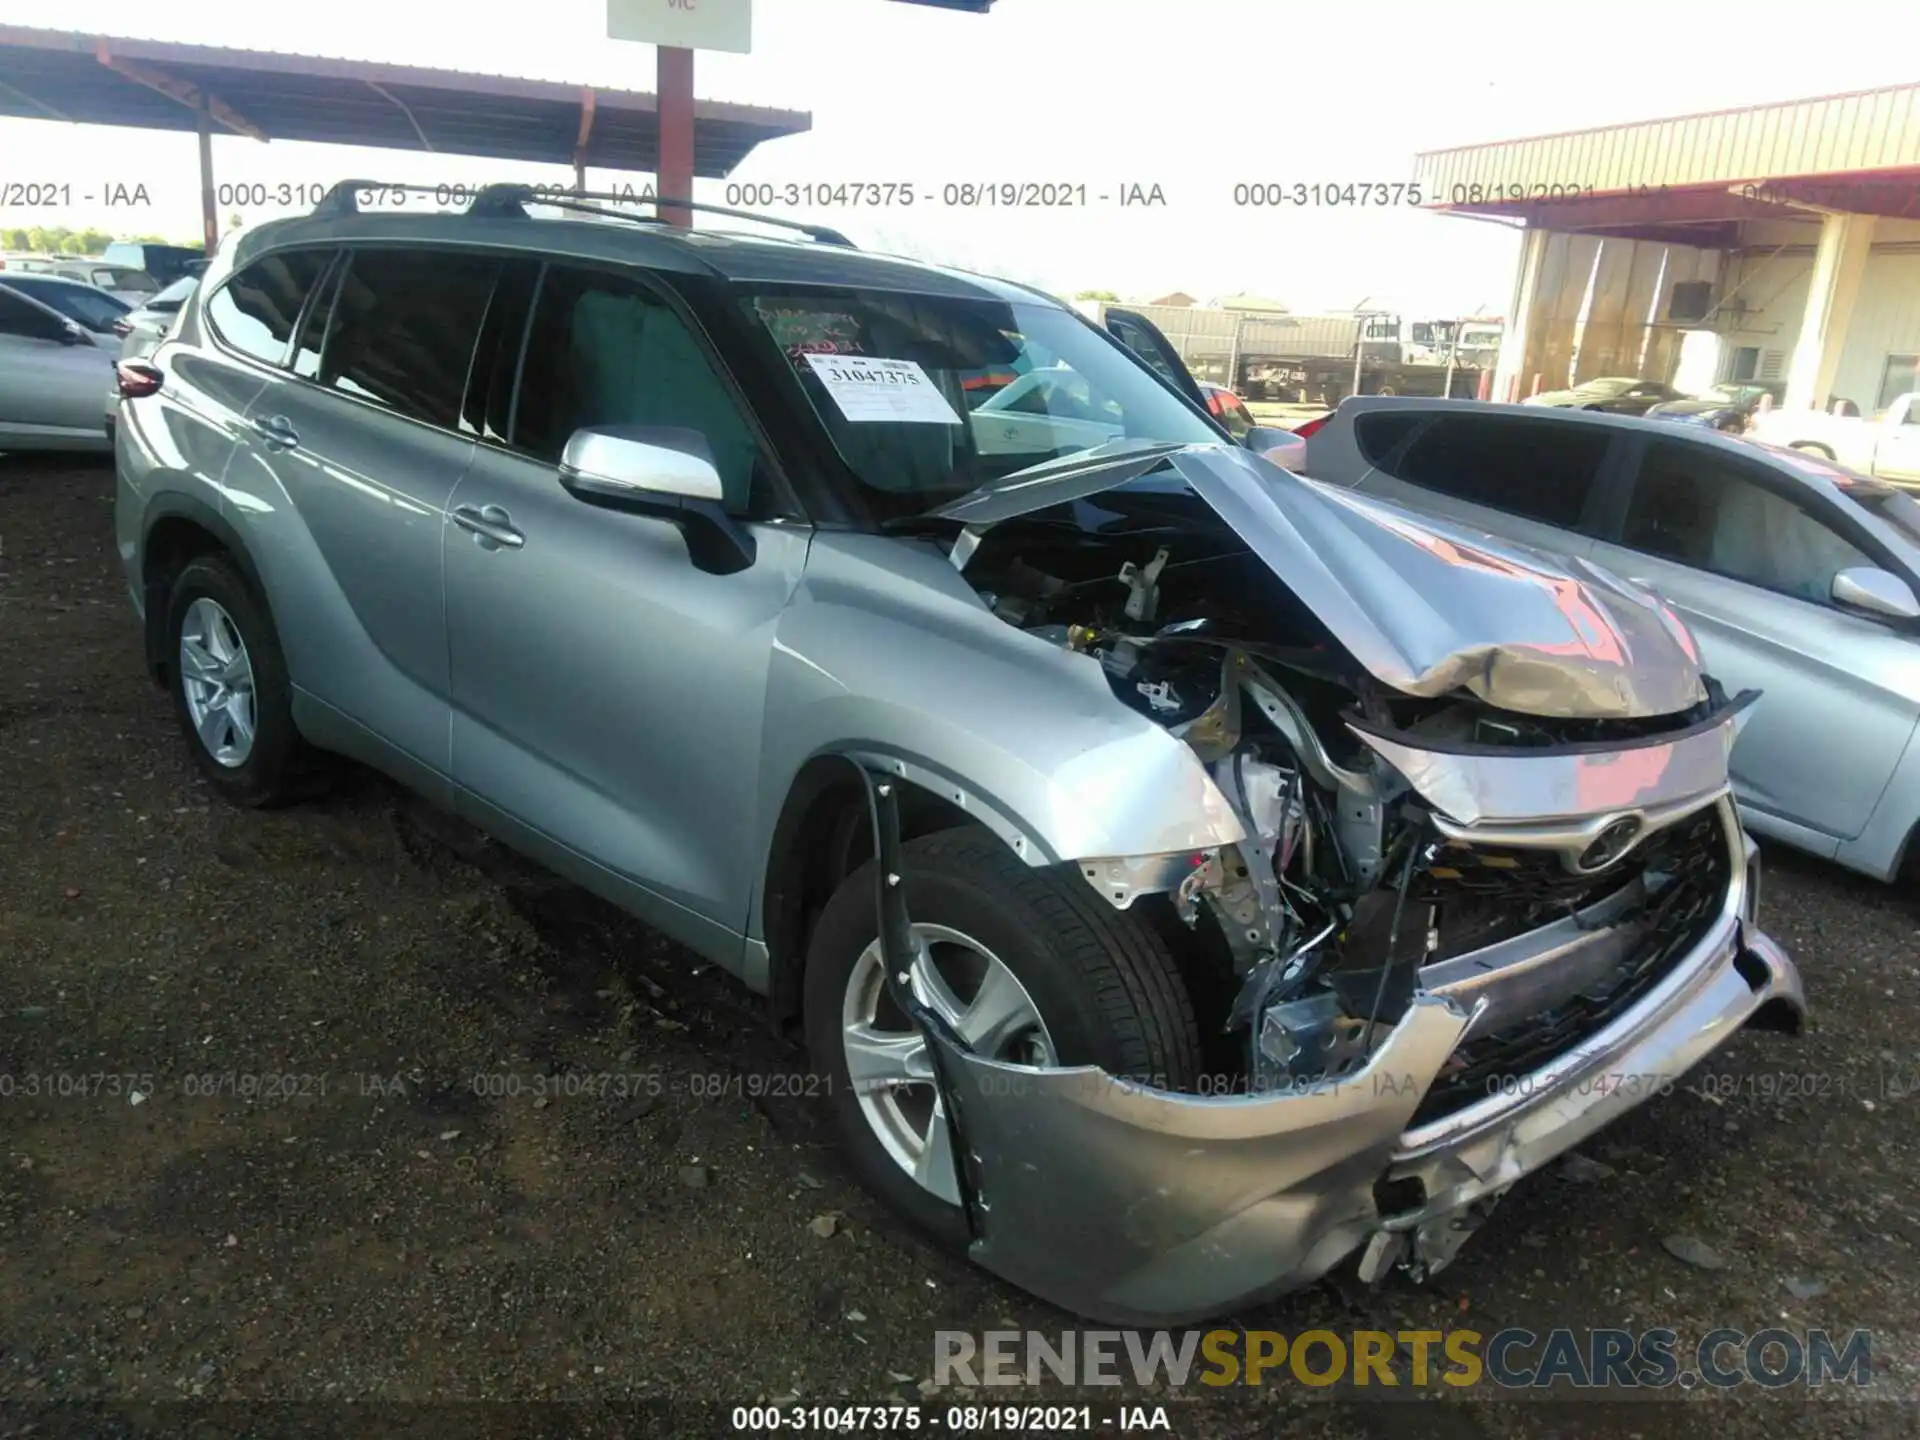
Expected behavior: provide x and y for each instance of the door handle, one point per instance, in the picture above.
(277, 431)
(491, 526)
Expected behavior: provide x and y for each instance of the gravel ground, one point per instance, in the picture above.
(386, 1233)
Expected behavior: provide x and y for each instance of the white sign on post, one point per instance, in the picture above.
(684, 24)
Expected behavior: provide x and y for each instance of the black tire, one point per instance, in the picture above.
(281, 767)
(1103, 980)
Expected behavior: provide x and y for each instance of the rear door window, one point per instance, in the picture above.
(256, 310)
(1535, 469)
(1695, 506)
(402, 328)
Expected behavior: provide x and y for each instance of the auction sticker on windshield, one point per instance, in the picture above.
(868, 389)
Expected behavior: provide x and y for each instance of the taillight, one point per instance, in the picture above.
(1312, 426)
(122, 329)
(136, 380)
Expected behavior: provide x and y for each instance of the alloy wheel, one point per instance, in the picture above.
(216, 679)
(887, 1058)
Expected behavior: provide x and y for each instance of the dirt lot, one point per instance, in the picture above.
(389, 1233)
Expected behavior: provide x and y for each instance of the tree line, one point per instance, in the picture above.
(60, 240)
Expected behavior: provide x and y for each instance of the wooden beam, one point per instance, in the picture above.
(184, 92)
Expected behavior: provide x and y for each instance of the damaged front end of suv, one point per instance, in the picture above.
(1490, 889)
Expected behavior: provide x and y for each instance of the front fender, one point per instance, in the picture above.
(886, 655)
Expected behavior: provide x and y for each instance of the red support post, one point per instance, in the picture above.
(676, 131)
(209, 213)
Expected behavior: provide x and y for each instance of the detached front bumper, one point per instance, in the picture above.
(1137, 1206)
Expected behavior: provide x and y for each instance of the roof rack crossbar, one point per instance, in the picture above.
(511, 199)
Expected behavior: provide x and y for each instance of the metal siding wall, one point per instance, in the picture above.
(1563, 284)
(1652, 265)
(1873, 131)
(1603, 340)
(1886, 320)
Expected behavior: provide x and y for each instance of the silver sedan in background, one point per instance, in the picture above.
(58, 347)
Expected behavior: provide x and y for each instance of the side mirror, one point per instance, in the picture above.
(663, 471)
(1876, 591)
(1282, 447)
(622, 461)
(72, 334)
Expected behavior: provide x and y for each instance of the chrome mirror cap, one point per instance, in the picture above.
(640, 460)
(1863, 587)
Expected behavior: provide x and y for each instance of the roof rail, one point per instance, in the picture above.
(569, 200)
(511, 199)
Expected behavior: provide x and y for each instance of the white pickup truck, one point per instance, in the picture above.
(1886, 447)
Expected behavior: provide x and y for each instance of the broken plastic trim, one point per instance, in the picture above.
(898, 957)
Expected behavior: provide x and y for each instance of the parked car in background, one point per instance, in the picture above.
(1728, 407)
(96, 311)
(27, 262)
(679, 561)
(1612, 395)
(1278, 444)
(132, 286)
(1798, 578)
(165, 263)
(1886, 447)
(147, 324)
(1228, 408)
(53, 371)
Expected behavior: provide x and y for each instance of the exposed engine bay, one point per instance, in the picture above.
(1351, 895)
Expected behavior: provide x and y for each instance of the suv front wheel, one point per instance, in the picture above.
(1028, 965)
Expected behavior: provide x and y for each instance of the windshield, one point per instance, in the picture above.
(1897, 507)
(174, 296)
(928, 398)
(81, 303)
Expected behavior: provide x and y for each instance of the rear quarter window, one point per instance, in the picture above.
(1535, 469)
(255, 312)
(1379, 433)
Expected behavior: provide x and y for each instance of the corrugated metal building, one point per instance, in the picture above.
(1790, 231)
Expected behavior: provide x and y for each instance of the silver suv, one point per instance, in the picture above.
(1189, 878)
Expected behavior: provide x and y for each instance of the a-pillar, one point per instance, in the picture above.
(1845, 241)
(1508, 370)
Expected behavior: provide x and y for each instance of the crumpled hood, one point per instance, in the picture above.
(1425, 606)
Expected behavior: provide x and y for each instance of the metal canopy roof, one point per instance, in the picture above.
(1692, 179)
(157, 85)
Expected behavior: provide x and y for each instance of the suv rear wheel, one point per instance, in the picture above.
(1029, 965)
(230, 691)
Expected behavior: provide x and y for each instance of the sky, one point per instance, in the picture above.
(1192, 96)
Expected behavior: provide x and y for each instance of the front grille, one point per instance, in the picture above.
(1688, 868)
